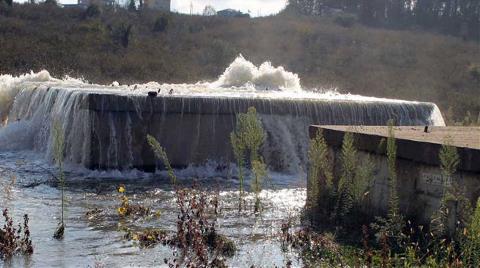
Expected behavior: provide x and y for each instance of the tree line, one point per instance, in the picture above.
(457, 17)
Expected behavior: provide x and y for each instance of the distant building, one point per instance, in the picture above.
(231, 13)
(86, 3)
(162, 5)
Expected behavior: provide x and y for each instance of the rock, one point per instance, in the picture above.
(152, 94)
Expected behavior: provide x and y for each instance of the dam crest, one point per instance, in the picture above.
(105, 127)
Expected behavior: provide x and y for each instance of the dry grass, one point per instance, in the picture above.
(412, 65)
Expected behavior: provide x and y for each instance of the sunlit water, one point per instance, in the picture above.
(28, 108)
(99, 242)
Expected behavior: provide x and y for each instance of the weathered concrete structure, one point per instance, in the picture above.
(420, 180)
(106, 127)
(196, 129)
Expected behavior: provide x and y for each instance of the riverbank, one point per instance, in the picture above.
(411, 65)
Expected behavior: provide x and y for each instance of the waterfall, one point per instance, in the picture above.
(105, 127)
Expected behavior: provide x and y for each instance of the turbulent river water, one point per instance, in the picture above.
(26, 186)
(113, 139)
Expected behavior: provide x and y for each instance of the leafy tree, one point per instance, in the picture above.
(51, 2)
(209, 11)
(93, 10)
(122, 34)
(131, 5)
(161, 24)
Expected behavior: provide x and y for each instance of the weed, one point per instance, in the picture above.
(126, 209)
(259, 170)
(320, 176)
(334, 200)
(196, 236)
(147, 238)
(246, 140)
(391, 228)
(58, 149)
(161, 154)
(94, 214)
(315, 248)
(471, 246)
(12, 241)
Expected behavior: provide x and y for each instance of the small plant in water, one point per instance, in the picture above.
(11, 240)
(199, 243)
(162, 155)
(259, 170)
(58, 148)
(246, 140)
(126, 209)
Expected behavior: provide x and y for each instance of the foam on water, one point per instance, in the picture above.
(242, 73)
(242, 79)
(11, 85)
(28, 108)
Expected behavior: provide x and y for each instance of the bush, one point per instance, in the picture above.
(15, 241)
(474, 71)
(161, 24)
(346, 21)
(92, 11)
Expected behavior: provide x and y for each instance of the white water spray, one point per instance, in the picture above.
(105, 126)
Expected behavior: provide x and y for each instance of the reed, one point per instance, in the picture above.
(58, 154)
(161, 154)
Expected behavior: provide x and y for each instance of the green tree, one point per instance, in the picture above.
(132, 5)
(246, 140)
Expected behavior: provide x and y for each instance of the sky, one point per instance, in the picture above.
(256, 7)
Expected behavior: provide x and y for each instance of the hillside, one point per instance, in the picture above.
(106, 45)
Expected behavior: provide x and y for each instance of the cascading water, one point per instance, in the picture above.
(105, 126)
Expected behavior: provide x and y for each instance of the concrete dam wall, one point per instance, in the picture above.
(420, 180)
(106, 128)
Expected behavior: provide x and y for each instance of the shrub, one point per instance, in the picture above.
(337, 201)
(122, 34)
(320, 176)
(92, 11)
(346, 21)
(246, 139)
(471, 247)
(259, 170)
(160, 24)
(391, 228)
(474, 71)
(452, 195)
(11, 242)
